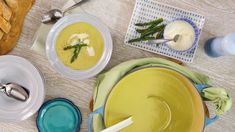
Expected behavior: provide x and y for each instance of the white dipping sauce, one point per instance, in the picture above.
(186, 32)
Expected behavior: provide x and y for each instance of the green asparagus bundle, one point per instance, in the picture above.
(149, 30)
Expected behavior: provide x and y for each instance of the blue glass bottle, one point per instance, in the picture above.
(220, 46)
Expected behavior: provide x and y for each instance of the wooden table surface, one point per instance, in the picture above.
(220, 20)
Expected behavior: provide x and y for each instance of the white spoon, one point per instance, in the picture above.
(117, 127)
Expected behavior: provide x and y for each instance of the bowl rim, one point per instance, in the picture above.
(69, 102)
(56, 62)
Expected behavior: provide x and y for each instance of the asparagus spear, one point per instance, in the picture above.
(77, 49)
(70, 47)
(152, 31)
(160, 34)
(75, 55)
(154, 22)
(144, 30)
(141, 39)
(75, 46)
(149, 28)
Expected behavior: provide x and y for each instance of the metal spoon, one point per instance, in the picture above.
(159, 41)
(15, 91)
(54, 15)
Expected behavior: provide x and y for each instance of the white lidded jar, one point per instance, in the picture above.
(221, 46)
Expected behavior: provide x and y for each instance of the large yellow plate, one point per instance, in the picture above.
(158, 99)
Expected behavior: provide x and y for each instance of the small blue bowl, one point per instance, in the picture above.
(197, 35)
(59, 115)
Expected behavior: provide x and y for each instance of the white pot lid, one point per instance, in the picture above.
(21, 71)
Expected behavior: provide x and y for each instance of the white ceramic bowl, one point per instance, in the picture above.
(21, 71)
(55, 61)
(196, 31)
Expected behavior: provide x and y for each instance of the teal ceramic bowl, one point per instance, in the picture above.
(59, 115)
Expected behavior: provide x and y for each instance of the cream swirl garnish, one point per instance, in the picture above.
(84, 38)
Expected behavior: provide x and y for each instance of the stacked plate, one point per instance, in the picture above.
(21, 71)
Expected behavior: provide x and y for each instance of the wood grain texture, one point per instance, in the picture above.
(116, 14)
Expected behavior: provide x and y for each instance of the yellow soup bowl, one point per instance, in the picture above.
(85, 60)
(69, 33)
(158, 99)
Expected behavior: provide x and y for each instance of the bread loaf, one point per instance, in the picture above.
(5, 11)
(19, 9)
(4, 25)
(1, 34)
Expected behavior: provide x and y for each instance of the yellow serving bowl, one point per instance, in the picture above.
(158, 99)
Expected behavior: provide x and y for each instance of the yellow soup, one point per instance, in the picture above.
(89, 55)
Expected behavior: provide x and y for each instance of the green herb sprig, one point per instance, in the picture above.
(77, 48)
(150, 30)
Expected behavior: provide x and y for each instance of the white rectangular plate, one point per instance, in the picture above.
(147, 10)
